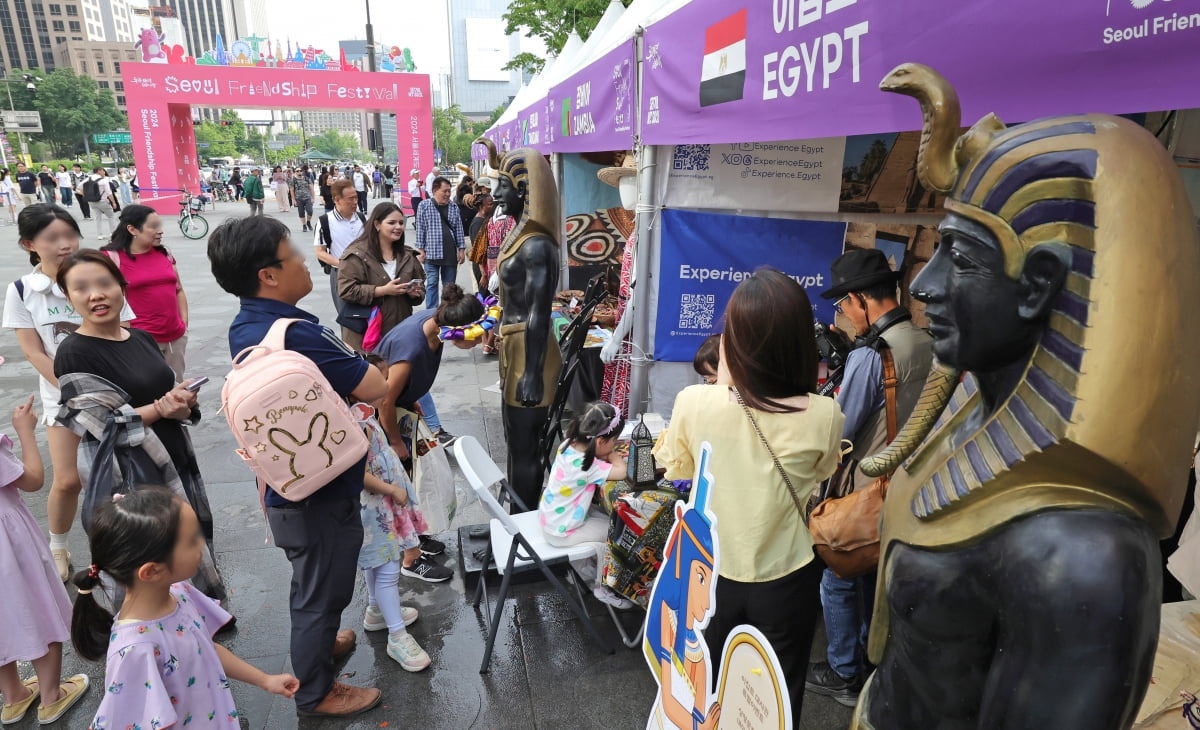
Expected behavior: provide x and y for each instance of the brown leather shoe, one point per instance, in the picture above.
(344, 643)
(344, 701)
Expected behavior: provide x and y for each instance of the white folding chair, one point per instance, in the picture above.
(516, 543)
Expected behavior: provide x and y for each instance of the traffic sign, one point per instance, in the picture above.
(112, 138)
(17, 121)
(202, 144)
(288, 138)
(273, 145)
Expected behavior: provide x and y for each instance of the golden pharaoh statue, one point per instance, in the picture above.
(1020, 573)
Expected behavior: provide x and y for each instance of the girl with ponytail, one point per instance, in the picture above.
(584, 462)
(163, 668)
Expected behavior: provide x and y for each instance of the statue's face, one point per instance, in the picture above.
(974, 309)
(510, 198)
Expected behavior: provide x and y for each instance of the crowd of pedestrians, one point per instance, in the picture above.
(106, 330)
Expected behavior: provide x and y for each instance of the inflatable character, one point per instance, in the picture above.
(680, 606)
(528, 268)
(1020, 571)
(150, 41)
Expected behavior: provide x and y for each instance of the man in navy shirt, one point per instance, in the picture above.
(254, 259)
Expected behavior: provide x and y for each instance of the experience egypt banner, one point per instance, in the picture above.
(796, 69)
(705, 256)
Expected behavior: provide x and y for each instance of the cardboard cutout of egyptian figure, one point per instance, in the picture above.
(752, 691)
(528, 269)
(1020, 576)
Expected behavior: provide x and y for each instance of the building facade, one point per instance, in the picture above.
(100, 61)
(202, 21)
(107, 20)
(31, 30)
(479, 49)
(345, 122)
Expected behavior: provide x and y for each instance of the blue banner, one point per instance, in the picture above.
(705, 256)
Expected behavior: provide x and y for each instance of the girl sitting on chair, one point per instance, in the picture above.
(584, 462)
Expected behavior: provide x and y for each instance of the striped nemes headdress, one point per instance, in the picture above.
(1104, 193)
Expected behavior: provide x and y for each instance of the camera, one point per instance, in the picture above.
(833, 346)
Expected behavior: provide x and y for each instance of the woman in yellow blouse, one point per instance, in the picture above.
(763, 421)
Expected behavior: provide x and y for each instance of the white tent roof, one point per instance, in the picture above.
(639, 14)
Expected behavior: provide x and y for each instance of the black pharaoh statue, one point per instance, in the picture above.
(528, 269)
(1020, 574)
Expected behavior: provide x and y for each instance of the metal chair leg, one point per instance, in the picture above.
(480, 587)
(495, 622)
(630, 642)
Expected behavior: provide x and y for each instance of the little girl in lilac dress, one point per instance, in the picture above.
(163, 669)
(35, 612)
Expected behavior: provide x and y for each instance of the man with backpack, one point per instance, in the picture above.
(254, 259)
(336, 230)
(252, 188)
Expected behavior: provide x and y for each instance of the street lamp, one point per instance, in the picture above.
(30, 84)
(376, 123)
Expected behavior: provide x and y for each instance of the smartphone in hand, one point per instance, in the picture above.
(195, 384)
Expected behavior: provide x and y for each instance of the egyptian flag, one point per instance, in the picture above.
(723, 75)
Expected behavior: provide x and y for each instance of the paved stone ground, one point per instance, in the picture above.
(545, 673)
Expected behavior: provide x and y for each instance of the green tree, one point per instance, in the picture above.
(552, 21)
(220, 140)
(71, 106)
(338, 144)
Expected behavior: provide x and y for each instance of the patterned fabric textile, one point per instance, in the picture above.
(641, 523)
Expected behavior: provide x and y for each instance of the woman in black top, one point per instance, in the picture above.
(236, 181)
(323, 182)
(129, 359)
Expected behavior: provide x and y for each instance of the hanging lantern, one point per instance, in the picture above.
(641, 462)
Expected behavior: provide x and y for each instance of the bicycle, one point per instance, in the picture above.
(191, 223)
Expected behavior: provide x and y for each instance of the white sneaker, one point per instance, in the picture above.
(373, 620)
(604, 594)
(405, 650)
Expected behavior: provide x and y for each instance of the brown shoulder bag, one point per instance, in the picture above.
(845, 530)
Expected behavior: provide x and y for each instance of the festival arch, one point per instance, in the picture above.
(160, 97)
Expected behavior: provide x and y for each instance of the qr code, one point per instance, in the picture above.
(691, 157)
(696, 311)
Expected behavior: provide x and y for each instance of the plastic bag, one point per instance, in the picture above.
(433, 480)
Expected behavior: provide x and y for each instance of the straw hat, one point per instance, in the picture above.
(488, 179)
(613, 175)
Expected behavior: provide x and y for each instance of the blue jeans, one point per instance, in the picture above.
(437, 276)
(431, 414)
(847, 605)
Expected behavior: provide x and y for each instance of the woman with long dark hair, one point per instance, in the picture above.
(377, 269)
(155, 289)
(773, 441)
(324, 180)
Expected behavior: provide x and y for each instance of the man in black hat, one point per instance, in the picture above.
(864, 290)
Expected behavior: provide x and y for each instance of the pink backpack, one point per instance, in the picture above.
(295, 432)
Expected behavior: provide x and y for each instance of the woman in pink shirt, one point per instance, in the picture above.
(155, 291)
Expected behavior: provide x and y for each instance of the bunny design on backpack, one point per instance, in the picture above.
(307, 456)
(294, 431)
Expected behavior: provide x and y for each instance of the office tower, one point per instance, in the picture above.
(99, 60)
(479, 49)
(32, 28)
(202, 21)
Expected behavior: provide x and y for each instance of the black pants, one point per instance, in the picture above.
(785, 610)
(84, 206)
(362, 201)
(321, 542)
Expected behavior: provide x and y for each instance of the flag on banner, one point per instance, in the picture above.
(723, 73)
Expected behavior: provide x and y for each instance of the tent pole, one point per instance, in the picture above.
(564, 255)
(639, 373)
